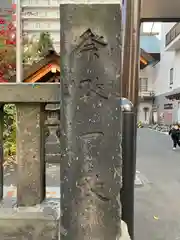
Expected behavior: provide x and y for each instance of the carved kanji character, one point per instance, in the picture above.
(90, 43)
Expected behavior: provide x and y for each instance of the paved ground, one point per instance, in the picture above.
(157, 203)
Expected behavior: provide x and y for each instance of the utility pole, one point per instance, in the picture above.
(19, 46)
(129, 80)
(90, 121)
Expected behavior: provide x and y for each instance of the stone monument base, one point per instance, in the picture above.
(41, 222)
(124, 232)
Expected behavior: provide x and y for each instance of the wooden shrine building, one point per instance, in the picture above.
(46, 70)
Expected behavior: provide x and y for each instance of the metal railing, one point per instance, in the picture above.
(148, 93)
(172, 34)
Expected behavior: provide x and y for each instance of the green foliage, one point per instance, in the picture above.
(45, 43)
(30, 53)
(9, 130)
(35, 49)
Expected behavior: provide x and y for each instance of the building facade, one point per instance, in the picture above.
(150, 48)
(146, 95)
(167, 80)
(42, 16)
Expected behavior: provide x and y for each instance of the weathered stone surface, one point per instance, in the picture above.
(91, 121)
(52, 144)
(25, 92)
(52, 141)
(53, 158)
(40, 222)
(30, 154)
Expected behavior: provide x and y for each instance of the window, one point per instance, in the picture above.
(44, 14)
(47, 25)
(37, 25)
(55, 2)
(25, 24)
(58, 13)
(143, 84)
(171, 76)
(146, 111)
(33, 2)
(168, 106)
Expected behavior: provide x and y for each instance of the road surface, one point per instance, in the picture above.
(157, 203)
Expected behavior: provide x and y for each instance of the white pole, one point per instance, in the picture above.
(18, 43)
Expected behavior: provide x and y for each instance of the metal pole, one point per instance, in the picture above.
(18, 43)
(130, 51)
(129, 80)
(128, 170)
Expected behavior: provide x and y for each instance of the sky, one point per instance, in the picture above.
(152, 27)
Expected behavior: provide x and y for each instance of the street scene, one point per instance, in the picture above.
(157, 211)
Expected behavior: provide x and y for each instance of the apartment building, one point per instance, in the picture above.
(167, 81)
(41, 16)
(150, 49)
(146, 95)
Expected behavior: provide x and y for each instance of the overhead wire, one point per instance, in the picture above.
(152, 28)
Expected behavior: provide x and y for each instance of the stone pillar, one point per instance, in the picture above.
(30, 154)
(1, 150)
(91, 121)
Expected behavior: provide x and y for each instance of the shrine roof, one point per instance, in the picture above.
(41, 67)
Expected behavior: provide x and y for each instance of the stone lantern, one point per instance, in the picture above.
(52, 143)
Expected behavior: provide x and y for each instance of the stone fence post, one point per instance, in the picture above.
(30, 153)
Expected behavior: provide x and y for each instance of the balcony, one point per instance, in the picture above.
(173, 38)
(40, 16)
(146, 95)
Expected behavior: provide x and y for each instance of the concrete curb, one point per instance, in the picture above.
(40, 222)
(166, 133)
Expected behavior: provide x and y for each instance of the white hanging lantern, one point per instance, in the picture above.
(53, 69)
